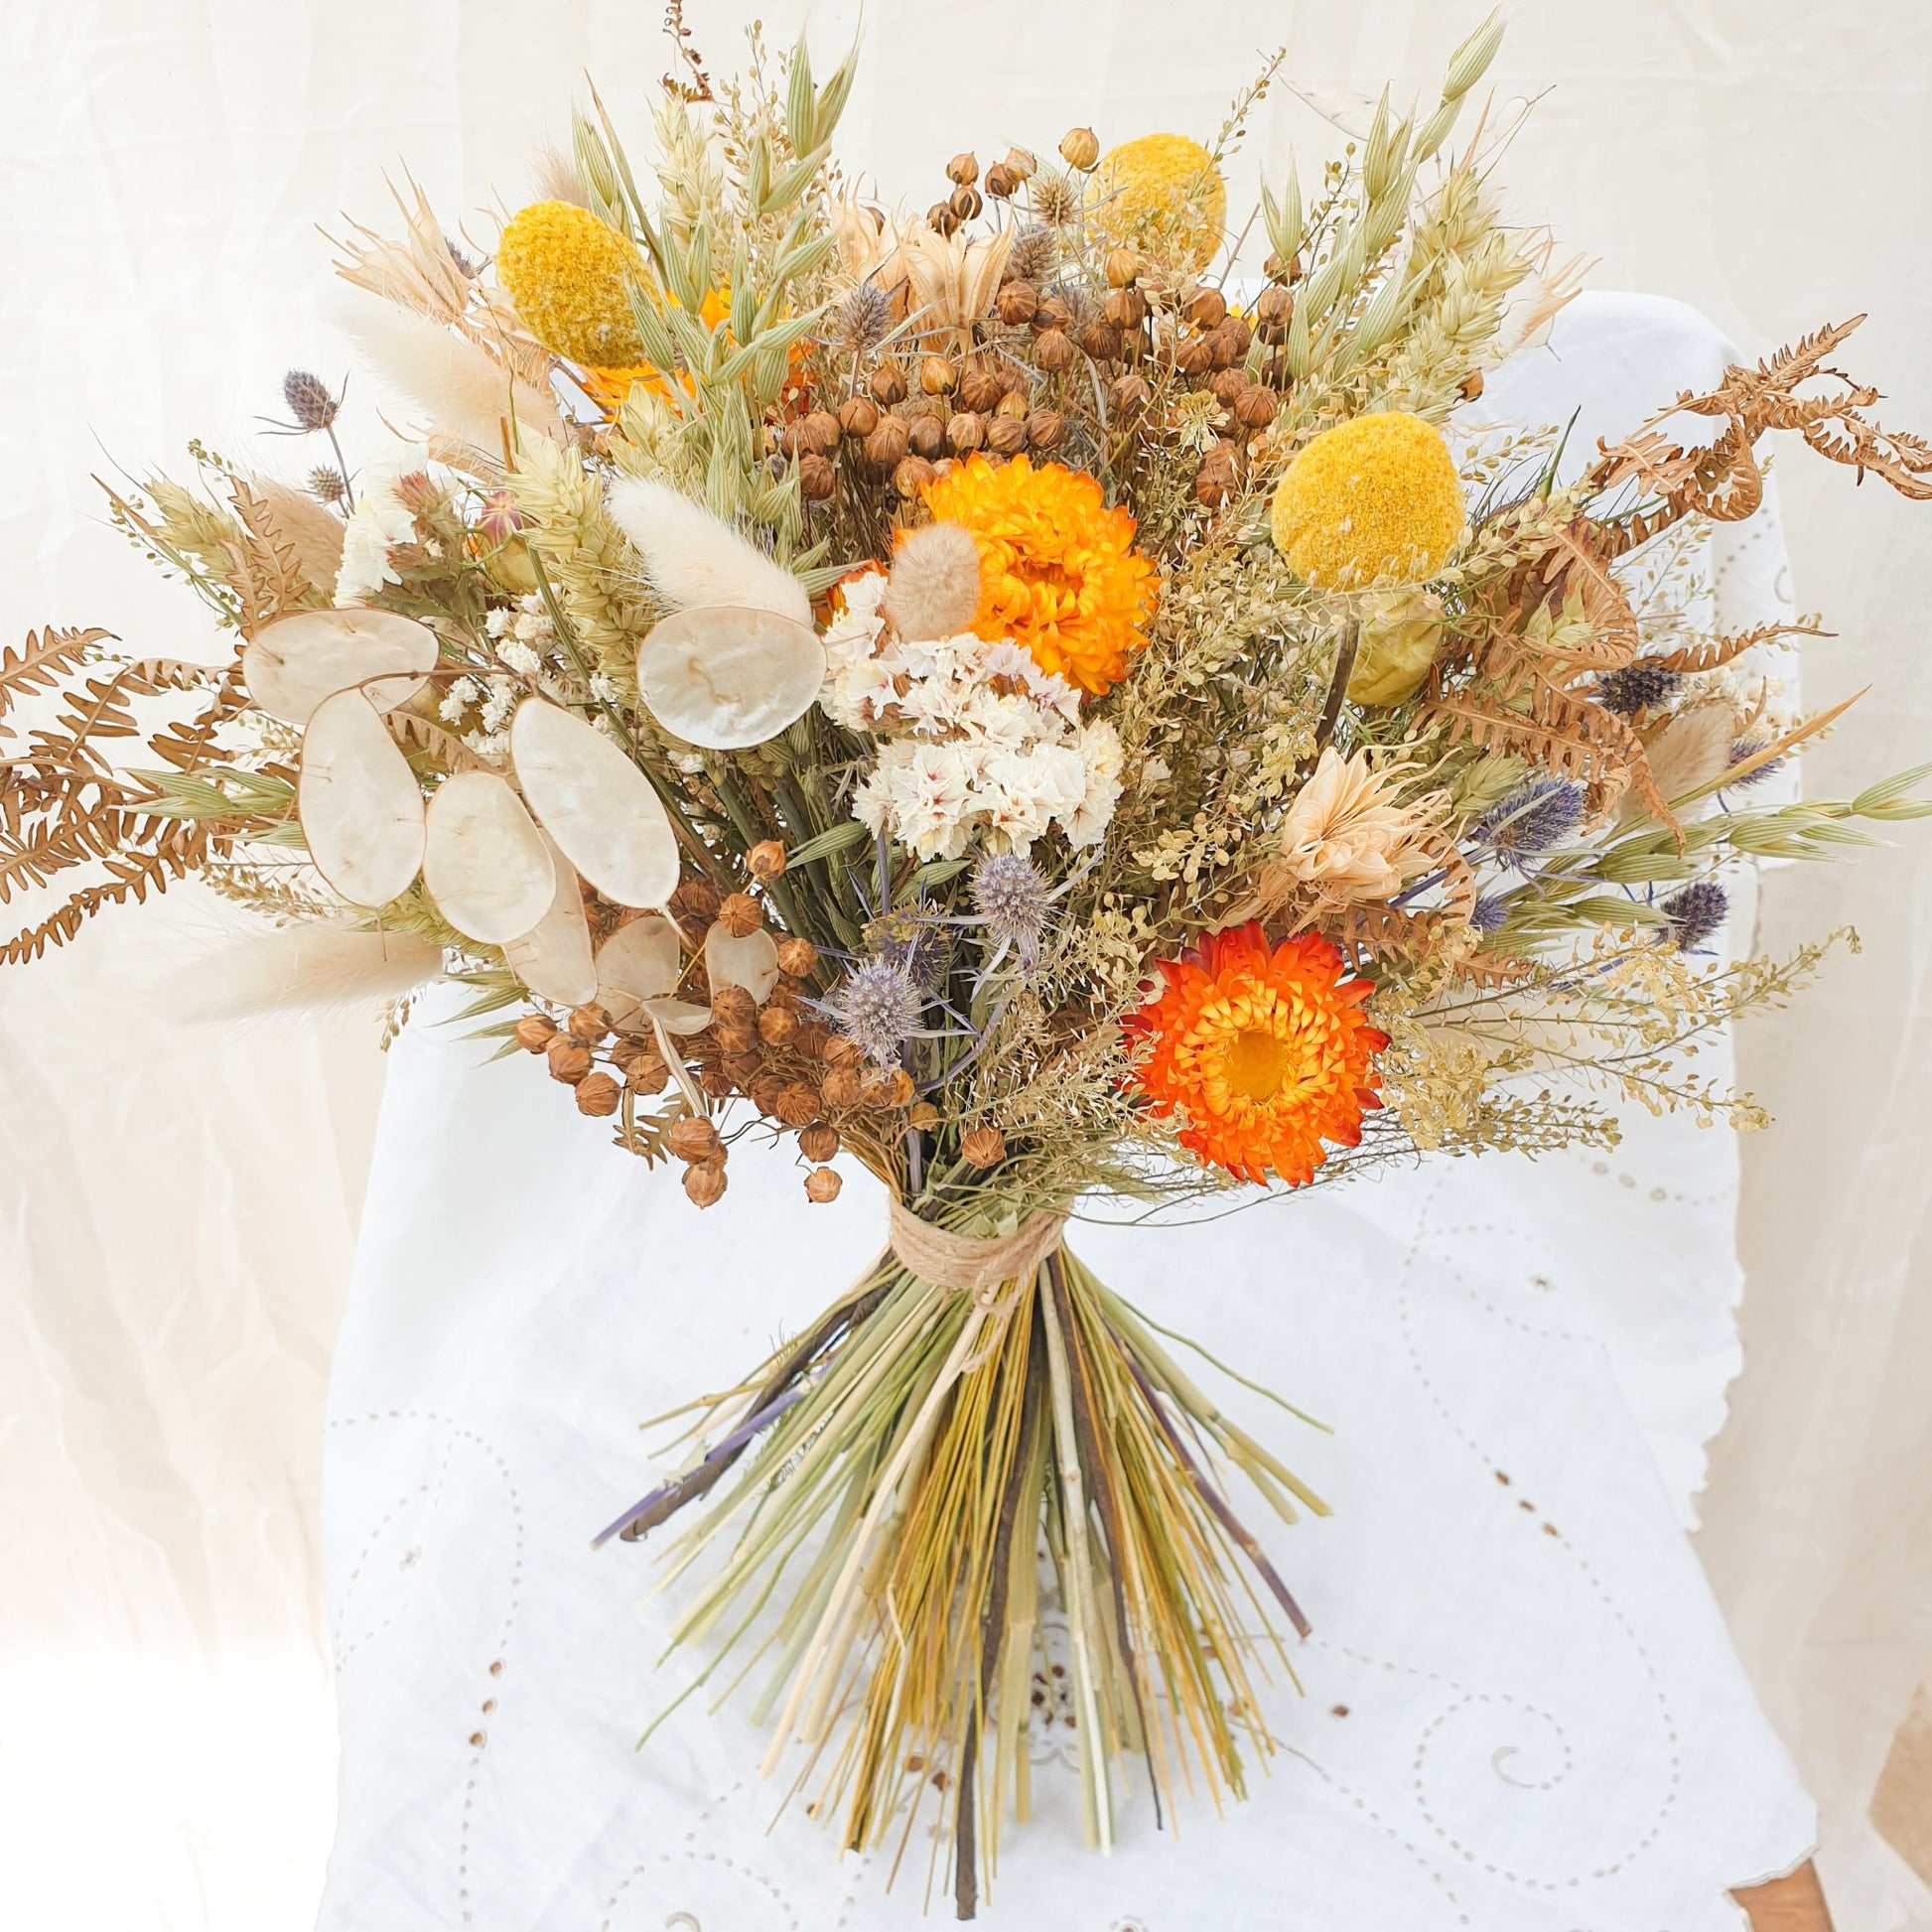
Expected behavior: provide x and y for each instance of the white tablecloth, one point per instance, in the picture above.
(1521, 1712)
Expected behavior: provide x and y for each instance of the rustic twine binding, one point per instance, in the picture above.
(976, 1265)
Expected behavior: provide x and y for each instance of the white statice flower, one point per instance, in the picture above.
(462, 694)
(519, 658)
(378, 521)
(976, 742)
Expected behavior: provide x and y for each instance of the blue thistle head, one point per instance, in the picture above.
(1488, 912)
(878, 1007)
(1539, 813)
(1632, 688)
(1749, 748)
(1012, 898)
(1694, 912)
(914, 945)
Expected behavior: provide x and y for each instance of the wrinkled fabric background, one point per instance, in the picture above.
(180, 1203)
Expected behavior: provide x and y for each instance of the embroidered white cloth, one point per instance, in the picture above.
(1519, 1711)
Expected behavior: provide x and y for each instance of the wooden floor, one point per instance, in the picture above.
(1793, 1904)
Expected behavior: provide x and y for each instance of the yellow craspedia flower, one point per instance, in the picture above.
(1163, 197)
(569, 275)
(1373, 500)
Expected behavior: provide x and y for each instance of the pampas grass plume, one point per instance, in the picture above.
(307, 967)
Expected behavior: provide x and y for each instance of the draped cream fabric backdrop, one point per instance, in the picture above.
(180, 1203)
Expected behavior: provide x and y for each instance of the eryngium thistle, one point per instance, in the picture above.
(309, 400)
(1057, 201)
(915, 946)
(1749, 748)
(1036, 250)
(878, 1008)
(865, 318)
(1535, 816)
(326, 486)
(1013, 898)
(1632, 688)
(1694, 912)
(1488, 912)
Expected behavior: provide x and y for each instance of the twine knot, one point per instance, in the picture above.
(976, 1265)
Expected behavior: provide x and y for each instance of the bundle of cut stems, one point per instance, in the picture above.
(910, 1458)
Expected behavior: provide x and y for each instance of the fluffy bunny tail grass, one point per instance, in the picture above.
(692, 558)
(302, 967)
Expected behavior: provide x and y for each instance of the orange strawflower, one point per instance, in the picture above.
(1059, 571)
(1264, 1052)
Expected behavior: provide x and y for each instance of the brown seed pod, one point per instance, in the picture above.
(766, 859)
(1470, 387)
(1123, 268)
(1022, 163)
(1016, 302)
(798, 1104)
(695, 900)
(733, 1006)
(822, 1184)
(1016, 404)
(818, 479)
(1275, 305)
(598, 1095)
(924, 1115)
(963, 169)
(1080, 148)
(739, 914)
(1046, 428)
(819, 1142)
(570, 1059)
(811, 1039)
(984, 1146)
(693, 1139)
(734, 1040)
(888, 384)
(1213, 487)
(1194, 356)
(842, 1087)
(1054, 312)
(926, 435)
(897, 1088)
(1125, 307)
(941, 219)
(1127, 395)
(1226, 387)
(937, 376)
(647, 1074)
(965, 203)
(1053, 351)
(765, 1092)
(858, 416)
(1236, 333)
(705, 1185)
(965, 432)
(1256, 407)
(776, 1025)
(590, 1024)
(979, 390)
(1006, 435)
(797, 957)
(716, 1083)
(886, 447)
(911, 474)
(843, 1050)
(1205, 308)
(1001, 181)
(1099, 340)
(1220, 349)
(820, 431)
(534, 1032)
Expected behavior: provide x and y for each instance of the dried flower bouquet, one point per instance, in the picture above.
(1001, 694)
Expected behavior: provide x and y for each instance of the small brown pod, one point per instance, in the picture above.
(822, 1184)
(598, 1095)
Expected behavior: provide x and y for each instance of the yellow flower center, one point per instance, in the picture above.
(1256, 1065)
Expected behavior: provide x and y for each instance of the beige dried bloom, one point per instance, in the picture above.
(1348, 839)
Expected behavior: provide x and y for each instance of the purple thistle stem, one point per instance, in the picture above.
(725, 1450)
(1214, 1499)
